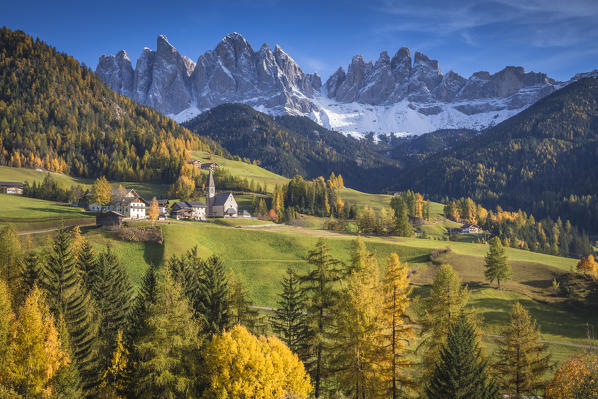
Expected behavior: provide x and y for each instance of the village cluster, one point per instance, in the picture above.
(129, 205)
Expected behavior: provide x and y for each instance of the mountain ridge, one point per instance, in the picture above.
(402, 94)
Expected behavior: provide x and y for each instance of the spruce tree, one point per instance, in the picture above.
(496, 263)
(240, 306)
(522, 359)
(67, 380)
(169, 351)
(10, 257)
(396, 289)
(319, 287)
(146, 296)
(86, 262)
(68, 296)
(30, 272)
(112, 292)
(213, 304)
(403, 227)
(289, 320)
(461, 371)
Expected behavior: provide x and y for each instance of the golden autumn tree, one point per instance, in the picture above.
(357, 328)
(7, 320)
(522, 359)
(237, 364)
(446, 301)
(101, 191)
(588, 265)
(570, 376)
(153, 211)
(396, 289)
(114, 381)
(37, 351)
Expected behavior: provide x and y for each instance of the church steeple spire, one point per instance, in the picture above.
(210, 193)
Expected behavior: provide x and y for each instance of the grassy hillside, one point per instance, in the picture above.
(242, 169)
(33, 214)
(31, 175)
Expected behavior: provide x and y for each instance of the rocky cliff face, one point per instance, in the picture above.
(404, 93)
(232, 72)
(420, 81)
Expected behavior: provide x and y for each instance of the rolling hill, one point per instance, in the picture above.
(293, 145)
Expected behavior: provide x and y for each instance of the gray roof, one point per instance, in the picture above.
(221, 198)
(11, 184)
(189, 204)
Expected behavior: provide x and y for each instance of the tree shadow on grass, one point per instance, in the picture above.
(153, 253)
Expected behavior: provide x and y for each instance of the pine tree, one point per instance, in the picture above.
(169, 350)
(496, 263)
(403, 227)
(356, 331)
(461, 372)
(112, 292)
(395, 287)
(446, 301)
(289, 320)
(213, 304)
(146, 296)
(10, 258)
(67, 381)
(319, 287)
(241, 307)
(87, 262)
(523, 359)
(30, 273)
(68, 296)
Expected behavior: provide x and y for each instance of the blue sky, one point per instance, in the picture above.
(556, 37)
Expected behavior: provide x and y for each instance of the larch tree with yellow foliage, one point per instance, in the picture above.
(522, 359)
(237, 364)
(37, 354)
(357, 329)
(153, 211)
(440, 309)
(101, 191)
(396, 289)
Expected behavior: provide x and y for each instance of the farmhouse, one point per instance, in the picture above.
(196, 163)
(470, 229)
(162, 205)
(129, 207)
(188, 210)
(10, 187)
(209, 166)
(222, 204)
(109, 220)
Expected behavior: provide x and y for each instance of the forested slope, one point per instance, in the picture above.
(56, 114)
(542, 160)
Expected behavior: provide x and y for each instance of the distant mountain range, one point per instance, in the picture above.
(402, 94)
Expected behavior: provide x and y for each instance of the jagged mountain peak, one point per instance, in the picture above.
(404, 93)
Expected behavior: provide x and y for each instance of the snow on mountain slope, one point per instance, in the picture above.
(399, 94)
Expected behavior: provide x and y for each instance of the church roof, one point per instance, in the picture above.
(221, 198)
